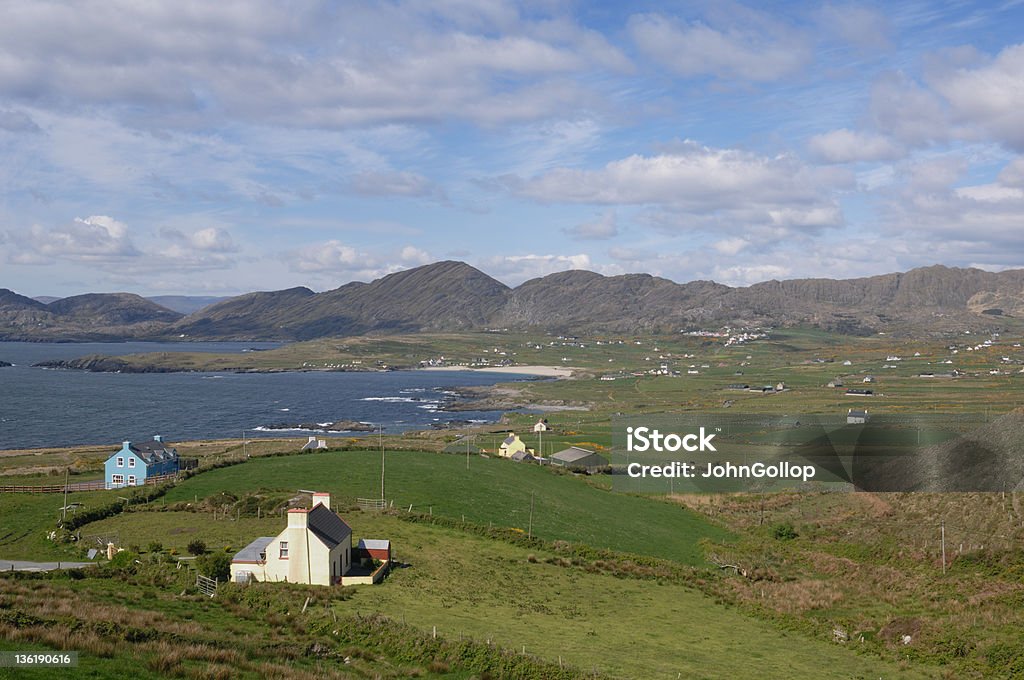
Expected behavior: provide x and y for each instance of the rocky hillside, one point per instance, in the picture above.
(441, 296)
(453, 296)
(94, 316)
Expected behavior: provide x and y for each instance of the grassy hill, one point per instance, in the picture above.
(490, 491)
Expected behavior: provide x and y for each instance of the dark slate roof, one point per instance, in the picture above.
(328, 527)
(573, 454)
(253, 551)
(154, 452)
(521, 455)
(509, 440)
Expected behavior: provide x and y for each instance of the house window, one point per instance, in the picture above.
(120, 461)
(131, 480)
(284, 550)
(117, 479)
(131, 462)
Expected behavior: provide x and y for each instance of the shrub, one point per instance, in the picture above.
(216, 565)
(196, 547)
(784, 531)
(155, 547)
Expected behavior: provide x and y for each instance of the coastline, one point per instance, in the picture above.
(539, 371)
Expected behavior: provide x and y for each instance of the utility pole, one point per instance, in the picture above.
(64, 510)
(943, 534)
(530, 533)
(467, 451)
(380, 438)
(245, 451)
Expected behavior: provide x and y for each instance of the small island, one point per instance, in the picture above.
(5, 364)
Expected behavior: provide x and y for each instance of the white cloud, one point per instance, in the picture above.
(17, 121)
(697, 188)
(730, 246)
(604, 227)
(908, 112)
(858, 25)
(415, 256)
(851, 146)
(334, 262)
(212, 239)
(990, 97)
(395, 183)
(953, 224)
(744, 275)
(759, 50)
(307, 63)
(813, 217)
(514, 269)
(97, 238)
(108, 245)
(330, 256)
(209, 240)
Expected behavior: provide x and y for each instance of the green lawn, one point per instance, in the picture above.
(490, 491)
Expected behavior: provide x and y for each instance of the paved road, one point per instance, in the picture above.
(20, 565)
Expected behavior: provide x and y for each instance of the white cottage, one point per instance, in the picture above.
(315, 548)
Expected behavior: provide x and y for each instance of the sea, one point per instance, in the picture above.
(53, 407)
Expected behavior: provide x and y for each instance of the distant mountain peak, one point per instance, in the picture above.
(453, 296)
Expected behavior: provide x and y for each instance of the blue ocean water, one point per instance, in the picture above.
(41, 407)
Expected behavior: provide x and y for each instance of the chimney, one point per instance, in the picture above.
(311, 440)
(126, 445)
(323, 498)
(158, 438)
(298, 518)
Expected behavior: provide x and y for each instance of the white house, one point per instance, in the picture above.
(314, 444)
(857, 416)
(541, 426)
(510, 445)
(315, 548)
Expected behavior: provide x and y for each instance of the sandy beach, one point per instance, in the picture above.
(543, 371)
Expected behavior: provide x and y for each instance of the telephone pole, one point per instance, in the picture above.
(64, 510)
(530, 532)
(380, 438)
(943, 534)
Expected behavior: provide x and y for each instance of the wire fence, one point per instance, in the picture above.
(94, 485)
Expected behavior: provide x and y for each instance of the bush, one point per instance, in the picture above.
(216, 565)
(784, 531)
(196, 547)
(155, 547)
(122, 563)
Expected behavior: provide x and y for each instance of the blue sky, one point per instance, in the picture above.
(217, 148)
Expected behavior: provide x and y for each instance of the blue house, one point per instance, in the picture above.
(135, 462)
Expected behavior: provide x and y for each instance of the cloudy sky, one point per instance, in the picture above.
(215, 148)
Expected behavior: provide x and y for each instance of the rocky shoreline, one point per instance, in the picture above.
(337, 426)
(505, 398)
(99, 363)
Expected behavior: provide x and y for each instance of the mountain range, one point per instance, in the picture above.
(454, 296)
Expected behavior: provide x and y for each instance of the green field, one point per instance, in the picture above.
(491, 491)
(25, 520)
